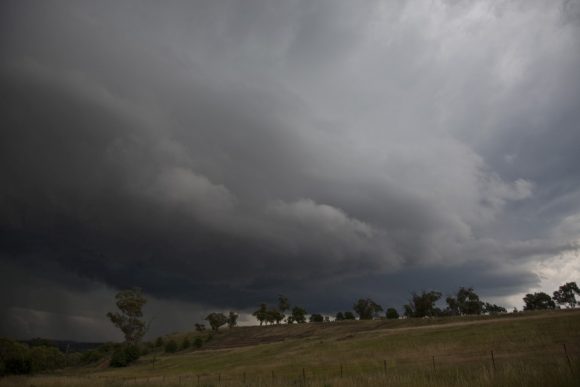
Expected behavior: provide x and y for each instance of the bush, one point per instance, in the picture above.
(91, 356)
(185, 343)
(198, 342)
(159, 342)
(119, 359)
(392, 313)
(125, 355)
(14, 358)
(132, 352)
(171, 346)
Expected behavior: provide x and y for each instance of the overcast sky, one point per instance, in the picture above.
(219, 153)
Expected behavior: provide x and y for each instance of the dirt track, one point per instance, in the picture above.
(254, 335)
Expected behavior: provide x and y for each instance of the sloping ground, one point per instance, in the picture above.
(524, 349)
(344, 330)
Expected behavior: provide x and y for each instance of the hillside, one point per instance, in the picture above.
(541, 349)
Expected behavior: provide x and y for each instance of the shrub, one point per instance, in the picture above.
(125, 355)
(159, 342)
(171, 346)
(119, 358)
(198, 342)
(185, 343)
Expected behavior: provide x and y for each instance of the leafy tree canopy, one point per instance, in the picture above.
(130, 303)
(423, 304)
(367, 308)
(566, 294)
(216, 320)
(538, 301)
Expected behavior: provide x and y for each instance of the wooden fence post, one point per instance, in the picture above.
(304, 375)
(385, 367)
(341, 370)
(433, 358)
(493, 361)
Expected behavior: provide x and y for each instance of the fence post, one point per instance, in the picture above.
(433, 358)
(493, 361)
(304, 375)
(219, 378)
(385, 367)
(567, 357)
(341, 370)
(198, 380)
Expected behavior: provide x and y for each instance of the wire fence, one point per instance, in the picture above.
(565, 356)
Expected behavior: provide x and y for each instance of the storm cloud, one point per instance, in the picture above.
(218, 153)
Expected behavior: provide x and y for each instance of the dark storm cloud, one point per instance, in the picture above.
(220, 153)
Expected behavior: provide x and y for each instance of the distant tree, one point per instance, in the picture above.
(130, 302)
(200, 327)
(366, 308)
(493, 308)
(538, 301)
(465, 302)
(232, 319)
(198, 342)
(171, 346)
(216, 320)
(159, 342)
(392, 313)
(315, 317)
(349, 316)
(273, 315)
(298, 315)
(283, 304)
(339, 316)
(423, 304)
(261, 314)
(566, 294)
(185, 343)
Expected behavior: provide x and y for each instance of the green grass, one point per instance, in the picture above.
(528, 351)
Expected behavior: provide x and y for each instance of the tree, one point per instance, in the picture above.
(171, 346)
(349, 316)
(566, 294)
(200, 327)
(261, 313)
(298, 315)
(283, 304)
(465, 302)
(273, 315)
(493, 308)
(130, 302)
(216, 320)
(185, 343)
(232, 319)
(392, 313)
(315, 317)
(538, 301)
(339, 316)
(366, 308)
(423, 304)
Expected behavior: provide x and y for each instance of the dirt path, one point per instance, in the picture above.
(255, 335)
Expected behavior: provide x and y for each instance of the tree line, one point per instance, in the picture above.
(41, 355)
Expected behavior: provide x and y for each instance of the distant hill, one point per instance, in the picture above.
(63, 345)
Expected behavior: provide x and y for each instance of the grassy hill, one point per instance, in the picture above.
(529, 349)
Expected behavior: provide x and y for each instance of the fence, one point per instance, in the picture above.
(564, 355)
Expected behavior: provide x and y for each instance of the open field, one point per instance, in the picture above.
(529, 349)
